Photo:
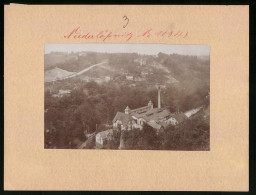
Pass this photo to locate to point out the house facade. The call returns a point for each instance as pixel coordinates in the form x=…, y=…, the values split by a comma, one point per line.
x=102, y=138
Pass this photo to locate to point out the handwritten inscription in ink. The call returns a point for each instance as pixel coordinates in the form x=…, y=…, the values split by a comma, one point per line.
x=127, y=20
x=108, y=35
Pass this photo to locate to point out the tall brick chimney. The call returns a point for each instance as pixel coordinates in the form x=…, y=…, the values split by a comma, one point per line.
x=159, y=97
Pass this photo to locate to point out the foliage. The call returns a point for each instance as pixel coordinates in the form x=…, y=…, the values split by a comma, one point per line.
x=69, y=118
x=115, y=141
x=145, y=139
x=193, y=134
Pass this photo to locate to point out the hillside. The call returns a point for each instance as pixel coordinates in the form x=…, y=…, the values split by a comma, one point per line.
x=56, y=58
x=56, y=74
x=99, y=85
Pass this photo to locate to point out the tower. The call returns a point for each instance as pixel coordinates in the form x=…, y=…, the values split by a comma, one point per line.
x=150, y=104
x=159, y=96
x=127, y=110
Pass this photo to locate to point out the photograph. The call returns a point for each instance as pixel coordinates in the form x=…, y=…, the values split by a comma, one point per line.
x=127, y=96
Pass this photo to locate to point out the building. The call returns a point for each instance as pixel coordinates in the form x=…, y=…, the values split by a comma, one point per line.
x=191, y=112
x=103, y=137
x=144, y=73
x=62, y=93
x=158, y=118
x=107, y=78
x=129, y=77
x=123, y=121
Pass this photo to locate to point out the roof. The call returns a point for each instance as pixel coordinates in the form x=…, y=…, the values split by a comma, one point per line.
x=154, y=117
x=191, y=112
x=141, y=109
x=154, y=125
x=153, y=114
x=125, y=118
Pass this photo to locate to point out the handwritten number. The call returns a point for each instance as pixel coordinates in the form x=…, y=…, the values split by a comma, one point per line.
x=125, y=18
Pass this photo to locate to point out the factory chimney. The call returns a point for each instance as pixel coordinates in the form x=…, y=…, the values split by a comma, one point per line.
x=159, y=97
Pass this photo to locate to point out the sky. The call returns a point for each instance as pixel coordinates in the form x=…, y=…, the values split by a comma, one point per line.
x=149, y=49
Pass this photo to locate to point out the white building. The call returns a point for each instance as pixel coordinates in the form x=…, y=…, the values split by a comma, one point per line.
x=103, y=137
x=62, y=93
x=129, y=77
x=192, y=111
x=107, y=78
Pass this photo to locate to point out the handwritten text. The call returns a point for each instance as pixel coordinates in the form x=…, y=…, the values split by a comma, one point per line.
x=106, y=35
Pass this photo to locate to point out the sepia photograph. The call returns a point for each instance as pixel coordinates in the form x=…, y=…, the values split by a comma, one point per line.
x=127, y=96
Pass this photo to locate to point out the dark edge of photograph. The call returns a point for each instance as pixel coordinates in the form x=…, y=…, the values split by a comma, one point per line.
x=252, y=181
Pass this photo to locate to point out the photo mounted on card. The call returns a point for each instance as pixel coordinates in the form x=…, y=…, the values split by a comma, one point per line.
x=123, y=97
x=127, y=96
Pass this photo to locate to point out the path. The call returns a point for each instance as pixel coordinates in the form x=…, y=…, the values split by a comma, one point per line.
x=84, y=70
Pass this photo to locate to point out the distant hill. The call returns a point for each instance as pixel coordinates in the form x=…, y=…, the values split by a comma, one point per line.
x=189, y=73
x=55, y=74
x=206, y=58
x=74, y=61
x=52, y=59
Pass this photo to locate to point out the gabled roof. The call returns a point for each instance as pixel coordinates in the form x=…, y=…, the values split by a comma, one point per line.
x=153, y=114
x=125, y=118
x=154, y=125
x=141, y=109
